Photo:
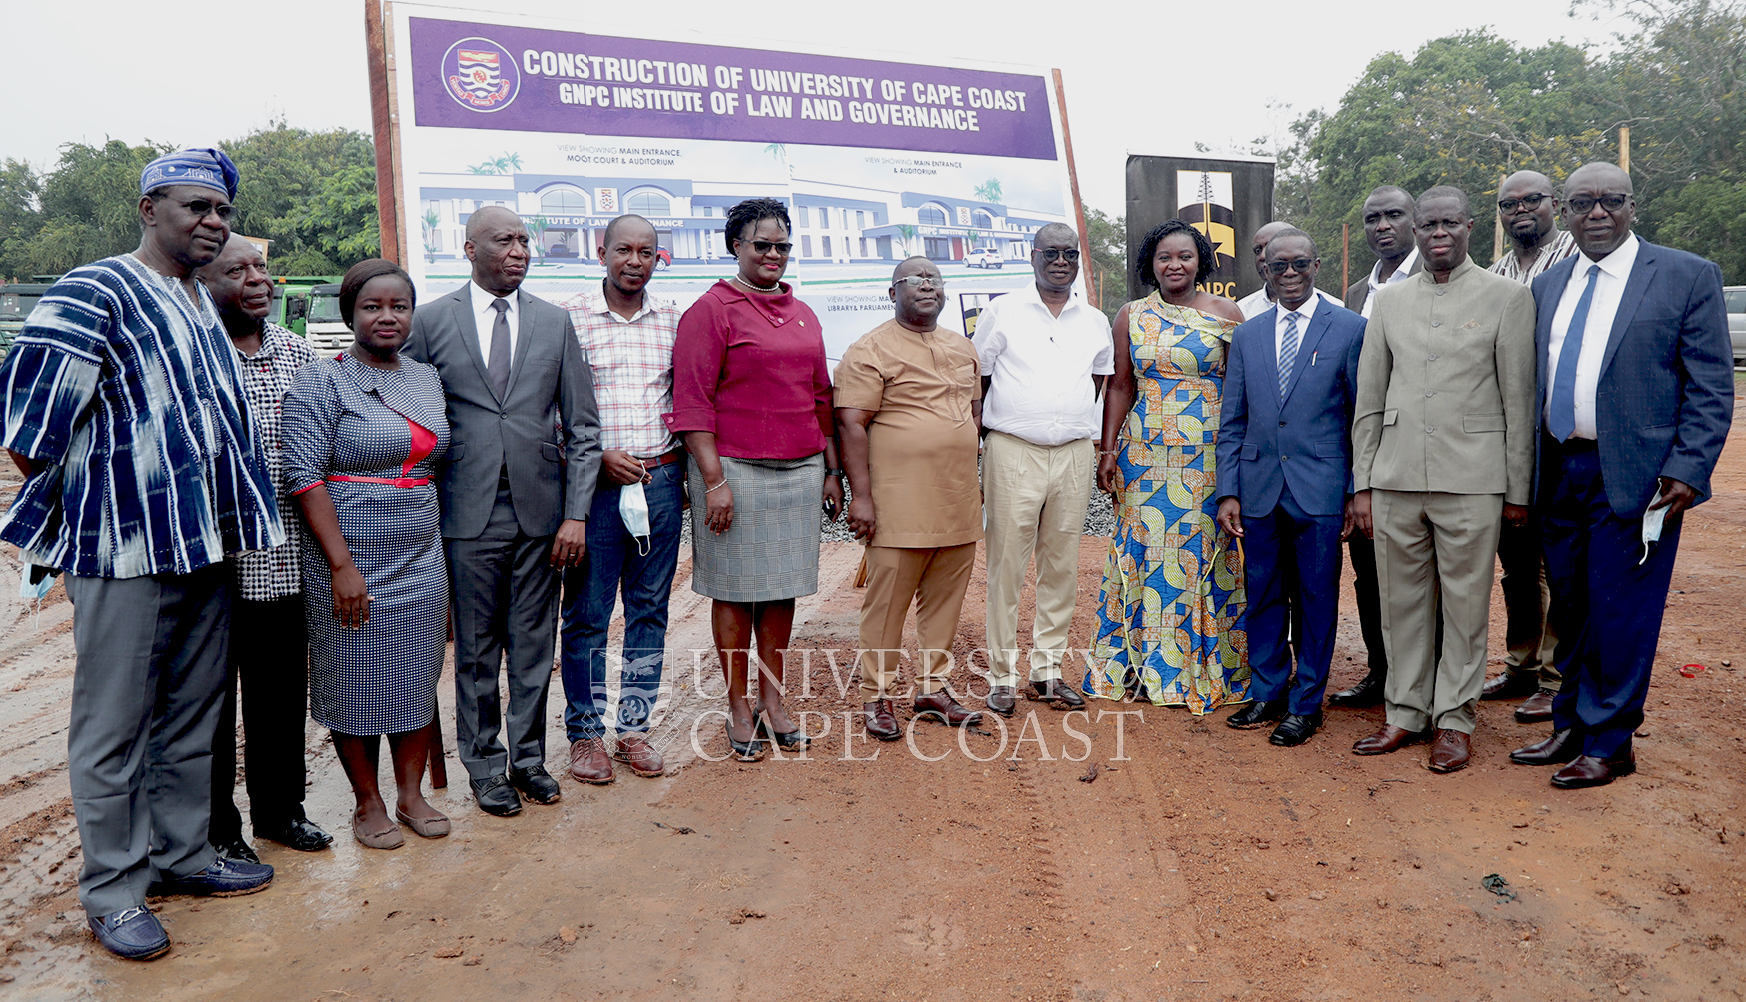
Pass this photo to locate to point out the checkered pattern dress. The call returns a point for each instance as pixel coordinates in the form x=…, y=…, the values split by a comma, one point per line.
x=344, y=418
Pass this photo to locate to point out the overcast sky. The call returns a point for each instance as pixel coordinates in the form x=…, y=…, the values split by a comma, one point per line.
x=1139, y=77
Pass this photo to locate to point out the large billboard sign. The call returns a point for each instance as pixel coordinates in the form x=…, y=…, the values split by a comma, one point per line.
x=1227, y=199
x=876, y=160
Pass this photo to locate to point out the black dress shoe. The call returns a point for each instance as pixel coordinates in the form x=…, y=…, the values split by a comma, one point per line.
x=301, y=834
x=1536, y=709
x=1257, y=713
x=1592, y=770
x=1367, y=692
x=536, y=784
x=1056, y=693
x=236, y=848
x=1295, y=729
x=496, y=796
x=1563, y=746
x=1510, y=685
x=788, y=741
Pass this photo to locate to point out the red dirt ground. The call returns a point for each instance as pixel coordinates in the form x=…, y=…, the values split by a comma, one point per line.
x=1201, y=863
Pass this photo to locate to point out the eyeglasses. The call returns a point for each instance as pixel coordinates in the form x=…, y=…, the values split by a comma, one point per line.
x=1297, y=264
x=920, y=281
x=1529, y=202
x=201, y=208
x=1582, y=205
x=766, y=246
x=1067, y=254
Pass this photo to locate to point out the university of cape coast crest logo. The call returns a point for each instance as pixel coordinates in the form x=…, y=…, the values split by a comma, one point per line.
x=480, y=74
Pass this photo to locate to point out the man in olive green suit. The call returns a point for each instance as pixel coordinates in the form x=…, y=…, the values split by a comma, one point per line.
x=1442, y=445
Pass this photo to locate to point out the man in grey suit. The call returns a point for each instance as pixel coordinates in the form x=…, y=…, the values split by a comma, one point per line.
x=1442, y=445
x=515, y=493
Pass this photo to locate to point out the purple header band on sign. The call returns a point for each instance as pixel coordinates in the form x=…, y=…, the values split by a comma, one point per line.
x=487, y=76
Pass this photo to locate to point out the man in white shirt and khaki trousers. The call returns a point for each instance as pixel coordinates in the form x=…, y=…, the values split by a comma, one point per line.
x=1044, y=354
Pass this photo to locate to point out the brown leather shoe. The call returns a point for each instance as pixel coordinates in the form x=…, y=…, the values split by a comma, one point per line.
x=589, y=762
x=942, y=707
x=635, y=751
x=1536, y=709
x=1510, y=685
x=880, y=722
x=1056, y=693
x=1561, y=747
x=1592, y=770
x=1390, y=738
x=1001, y=699
x=1450, y=752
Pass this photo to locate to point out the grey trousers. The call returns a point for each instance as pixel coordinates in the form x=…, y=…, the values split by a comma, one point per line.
x=147, y=688
x=1434, y=554
x=505, y=595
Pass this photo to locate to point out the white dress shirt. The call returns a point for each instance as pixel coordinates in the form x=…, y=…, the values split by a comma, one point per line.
x=1304, y=312
x=1609, y=288
x=1401, y=274
x=1259, y=302
x=485, y=317
x=1040, y=367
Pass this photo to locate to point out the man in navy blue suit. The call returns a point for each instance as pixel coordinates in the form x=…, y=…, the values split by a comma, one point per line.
x=1284, y=469
x=1636, y=395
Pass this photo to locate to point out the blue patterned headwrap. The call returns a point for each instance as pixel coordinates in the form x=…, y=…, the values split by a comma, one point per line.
x=208, y=168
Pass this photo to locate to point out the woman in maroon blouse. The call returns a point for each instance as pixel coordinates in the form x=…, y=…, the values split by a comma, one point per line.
x=752, y=396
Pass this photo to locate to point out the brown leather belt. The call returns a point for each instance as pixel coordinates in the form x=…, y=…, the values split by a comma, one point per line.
x=672, y=455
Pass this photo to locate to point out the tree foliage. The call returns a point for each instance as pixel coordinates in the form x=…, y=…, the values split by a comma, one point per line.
x=1472, y=108
x=312, y=193
x=1108, y=237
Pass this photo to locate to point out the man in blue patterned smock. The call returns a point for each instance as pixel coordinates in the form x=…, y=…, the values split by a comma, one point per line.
x=122, y=407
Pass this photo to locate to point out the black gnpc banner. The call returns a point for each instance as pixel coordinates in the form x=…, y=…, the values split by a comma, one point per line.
x=1226, y=199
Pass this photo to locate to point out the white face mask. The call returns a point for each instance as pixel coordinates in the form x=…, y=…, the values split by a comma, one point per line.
x=633, y=511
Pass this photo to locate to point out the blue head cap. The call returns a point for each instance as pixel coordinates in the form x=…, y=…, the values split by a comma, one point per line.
x=207, y=168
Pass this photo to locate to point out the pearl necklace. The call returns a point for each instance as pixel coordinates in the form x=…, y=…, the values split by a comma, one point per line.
x=758, y=288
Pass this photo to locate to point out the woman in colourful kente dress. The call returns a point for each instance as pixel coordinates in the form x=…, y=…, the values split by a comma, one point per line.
x=1170, y=613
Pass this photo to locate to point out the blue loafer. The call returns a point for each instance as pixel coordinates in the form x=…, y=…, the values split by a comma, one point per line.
x=222, y=878
x=131, y=933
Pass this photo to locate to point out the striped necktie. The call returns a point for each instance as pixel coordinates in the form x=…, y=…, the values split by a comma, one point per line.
x=1287, y=353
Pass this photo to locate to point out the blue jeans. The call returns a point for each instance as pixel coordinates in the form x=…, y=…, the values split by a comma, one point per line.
x=615, y=564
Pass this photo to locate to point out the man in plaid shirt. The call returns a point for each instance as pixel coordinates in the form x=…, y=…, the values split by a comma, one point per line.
x=627, y=334
x=269, y=645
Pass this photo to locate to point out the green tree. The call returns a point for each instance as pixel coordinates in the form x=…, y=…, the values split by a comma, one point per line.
x=1679, y=81
x=19, y=219
x=1464, y=110
x=1108, y=237
x=88, y=206
x=990, y=191
x=312, y=193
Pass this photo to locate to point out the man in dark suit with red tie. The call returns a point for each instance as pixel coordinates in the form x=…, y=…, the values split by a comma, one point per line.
x=1636, y=396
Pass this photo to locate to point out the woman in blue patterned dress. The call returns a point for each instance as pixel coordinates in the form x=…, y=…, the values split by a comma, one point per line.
x=1170, y=614
x=362, y=431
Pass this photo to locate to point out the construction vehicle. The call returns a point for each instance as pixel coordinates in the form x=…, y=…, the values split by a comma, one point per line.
x=17, y=299
x=325, y=331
